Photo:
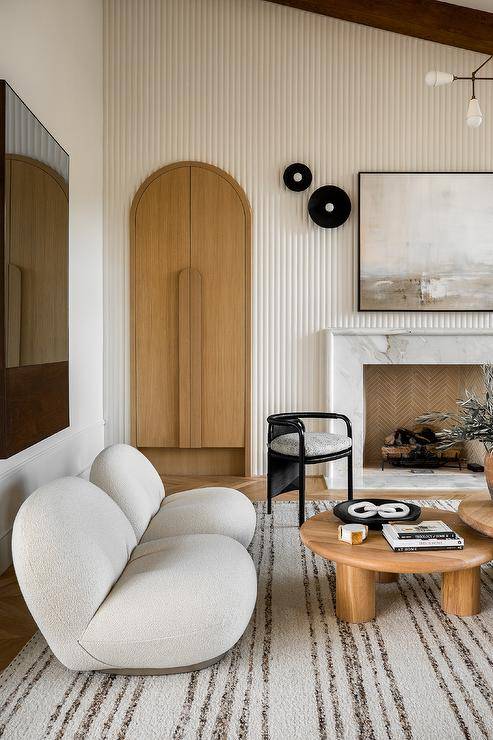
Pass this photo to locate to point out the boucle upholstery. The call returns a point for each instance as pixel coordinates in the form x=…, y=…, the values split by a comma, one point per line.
x=317, y=444
x=70, y=544
x=131, y=480
x=103, y=602
x=180, y=601
x=126, y=475
x=204, y=510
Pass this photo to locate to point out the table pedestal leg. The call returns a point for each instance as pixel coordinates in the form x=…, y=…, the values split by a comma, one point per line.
x=460, y=592
x=355, y=594
x=381, y=577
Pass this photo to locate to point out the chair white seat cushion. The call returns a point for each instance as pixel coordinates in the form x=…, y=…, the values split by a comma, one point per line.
x=179, y=602
x=317, y=444
x=223, y=511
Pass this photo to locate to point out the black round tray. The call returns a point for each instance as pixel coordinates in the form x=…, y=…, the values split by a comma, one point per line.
x=375, y=522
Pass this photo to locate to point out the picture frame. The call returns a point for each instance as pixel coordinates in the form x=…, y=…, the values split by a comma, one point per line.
x=437, y=215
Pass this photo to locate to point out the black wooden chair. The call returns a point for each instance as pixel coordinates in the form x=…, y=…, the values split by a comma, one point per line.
x=291, y=447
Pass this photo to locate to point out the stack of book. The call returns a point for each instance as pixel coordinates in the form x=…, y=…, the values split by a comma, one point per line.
x=433, y=535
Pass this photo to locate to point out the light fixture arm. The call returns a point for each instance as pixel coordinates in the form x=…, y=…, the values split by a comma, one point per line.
x=435, y=78
x=474, y=76
x=482, y=65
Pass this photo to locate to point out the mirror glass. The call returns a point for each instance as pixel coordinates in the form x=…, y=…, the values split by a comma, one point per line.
x=36, y=240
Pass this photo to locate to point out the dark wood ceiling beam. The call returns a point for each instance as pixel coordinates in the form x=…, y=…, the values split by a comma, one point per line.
x=443, y=23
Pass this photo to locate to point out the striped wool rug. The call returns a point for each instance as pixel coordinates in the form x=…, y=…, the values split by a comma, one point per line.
x=297, y=673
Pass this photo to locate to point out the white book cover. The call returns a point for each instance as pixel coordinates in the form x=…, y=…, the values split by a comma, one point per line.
x=428, y=528
x=438, y=543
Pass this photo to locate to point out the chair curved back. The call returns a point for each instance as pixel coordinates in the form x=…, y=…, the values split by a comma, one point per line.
x=283, y=423
x=70, y=544
x=131, y=480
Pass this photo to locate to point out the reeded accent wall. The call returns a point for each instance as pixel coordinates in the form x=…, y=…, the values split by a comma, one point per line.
x=28, y=136
x=251, y=86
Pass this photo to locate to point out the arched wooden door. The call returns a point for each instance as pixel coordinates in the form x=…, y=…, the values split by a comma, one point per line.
x=190, y=281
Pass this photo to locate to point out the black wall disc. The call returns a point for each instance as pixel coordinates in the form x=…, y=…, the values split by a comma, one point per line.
x=297, y=177
x=329, y=206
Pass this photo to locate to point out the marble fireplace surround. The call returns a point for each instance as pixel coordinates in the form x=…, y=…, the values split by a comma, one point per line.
x=348, y=350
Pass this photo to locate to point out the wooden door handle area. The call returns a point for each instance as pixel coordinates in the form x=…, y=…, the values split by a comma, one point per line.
x=190, y=357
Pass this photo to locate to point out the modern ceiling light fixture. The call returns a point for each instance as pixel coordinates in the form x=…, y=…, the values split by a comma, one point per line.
x=474, y=115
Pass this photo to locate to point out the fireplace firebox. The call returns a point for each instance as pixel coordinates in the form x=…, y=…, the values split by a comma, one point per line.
x=418, y=448
x=396, y=396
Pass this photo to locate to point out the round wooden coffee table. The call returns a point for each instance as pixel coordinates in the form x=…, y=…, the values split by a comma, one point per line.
x=477, y=512
x=360, y=567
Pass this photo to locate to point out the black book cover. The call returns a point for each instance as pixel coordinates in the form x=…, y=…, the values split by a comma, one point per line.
x=426, y=549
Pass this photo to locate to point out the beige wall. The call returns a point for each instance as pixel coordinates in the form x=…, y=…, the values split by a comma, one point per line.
x=51, y=54
x=251, y=86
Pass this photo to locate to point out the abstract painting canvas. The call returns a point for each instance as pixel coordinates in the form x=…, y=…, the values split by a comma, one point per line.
x=425, y=241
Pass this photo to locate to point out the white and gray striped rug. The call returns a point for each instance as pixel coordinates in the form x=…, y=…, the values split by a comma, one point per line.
x=297, y=673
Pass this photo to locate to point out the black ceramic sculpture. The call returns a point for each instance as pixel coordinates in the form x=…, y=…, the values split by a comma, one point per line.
x=376, y=521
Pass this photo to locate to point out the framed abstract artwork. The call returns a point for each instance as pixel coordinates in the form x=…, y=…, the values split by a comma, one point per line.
x=425, y=241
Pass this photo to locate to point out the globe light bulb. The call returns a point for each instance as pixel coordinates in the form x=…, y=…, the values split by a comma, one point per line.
x=474, y=116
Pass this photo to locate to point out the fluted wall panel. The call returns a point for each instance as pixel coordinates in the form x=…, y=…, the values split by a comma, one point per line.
x=25, y=135
x=251, y=86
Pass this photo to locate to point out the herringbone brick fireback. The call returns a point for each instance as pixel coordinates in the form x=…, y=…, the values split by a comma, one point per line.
x=395, y=395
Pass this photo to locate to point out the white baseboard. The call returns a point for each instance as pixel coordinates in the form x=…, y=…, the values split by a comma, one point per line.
x=69, y=452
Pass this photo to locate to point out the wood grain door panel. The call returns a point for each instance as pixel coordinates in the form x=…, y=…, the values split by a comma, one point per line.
x=161, y=252
x=190, y=284
x=218, y=253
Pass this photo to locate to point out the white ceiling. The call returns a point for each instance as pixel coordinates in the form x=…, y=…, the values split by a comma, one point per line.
x=478, y=4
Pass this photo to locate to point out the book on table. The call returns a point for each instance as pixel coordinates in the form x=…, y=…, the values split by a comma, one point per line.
x=435, y=530
x=416, y=544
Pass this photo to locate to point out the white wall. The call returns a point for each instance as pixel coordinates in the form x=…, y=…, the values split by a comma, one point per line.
x=251, y=86
x=51, y=54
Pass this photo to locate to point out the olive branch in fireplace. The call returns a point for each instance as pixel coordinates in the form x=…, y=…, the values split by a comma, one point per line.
x=473, y=419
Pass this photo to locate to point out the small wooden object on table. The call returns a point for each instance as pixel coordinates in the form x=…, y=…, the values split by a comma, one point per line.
x=477, y=512
x=360, y=567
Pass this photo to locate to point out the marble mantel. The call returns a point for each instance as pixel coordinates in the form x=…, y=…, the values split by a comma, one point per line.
x=347, y=351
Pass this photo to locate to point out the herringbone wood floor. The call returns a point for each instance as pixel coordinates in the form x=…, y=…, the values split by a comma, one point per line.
x=17, y=625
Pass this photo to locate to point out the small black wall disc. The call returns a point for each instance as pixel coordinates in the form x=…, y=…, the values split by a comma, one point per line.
x=329, y=206
x=297, y=177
